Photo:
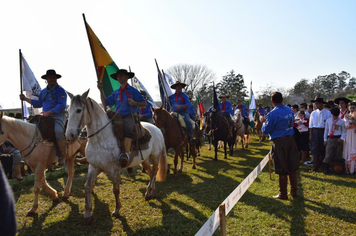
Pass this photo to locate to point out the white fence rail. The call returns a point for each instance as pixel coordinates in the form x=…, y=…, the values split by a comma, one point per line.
x=214, y=221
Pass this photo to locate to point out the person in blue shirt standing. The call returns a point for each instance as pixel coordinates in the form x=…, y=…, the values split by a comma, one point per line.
x=279, y=126
x=244, y=113
x=127, y=100
x=53, y=100
x=180, y=103
x=145, y=113
x=225, y=109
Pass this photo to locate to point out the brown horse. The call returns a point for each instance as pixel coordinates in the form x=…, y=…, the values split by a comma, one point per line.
x=173, y=136
x=258, y=119
x=38, y=154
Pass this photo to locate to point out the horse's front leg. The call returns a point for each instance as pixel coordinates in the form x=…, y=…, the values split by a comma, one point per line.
x=181, y=159
x=116, y=190
x=40, y=180
x=71, y=171
x=215, y=144
x=194, y=154
x=92, y=174
x=209, y=141
x=225, y=149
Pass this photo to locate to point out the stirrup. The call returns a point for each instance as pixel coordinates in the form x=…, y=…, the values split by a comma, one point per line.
x=124, y=159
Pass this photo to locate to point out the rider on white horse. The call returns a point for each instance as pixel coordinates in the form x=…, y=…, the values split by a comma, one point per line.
x=127, y=99
x=53, y=100
x=180, y=104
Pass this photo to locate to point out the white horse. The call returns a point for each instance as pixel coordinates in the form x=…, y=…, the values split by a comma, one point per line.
x=102, y=151
x=38, y=154
x=240, y=130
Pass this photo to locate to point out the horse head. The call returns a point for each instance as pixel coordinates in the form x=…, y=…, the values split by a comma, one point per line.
x=161, y=118
x=237, y=116
x=213, y=119
x=256, y=117
x=2, y=133
x=77, y=115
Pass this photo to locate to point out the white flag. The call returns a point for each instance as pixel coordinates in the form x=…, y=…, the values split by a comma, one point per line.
x=25, y=113
x=29, y=82
x=139, y=86
x=252, y=107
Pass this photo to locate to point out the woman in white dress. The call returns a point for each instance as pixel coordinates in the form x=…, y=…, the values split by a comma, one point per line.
x=350, y=140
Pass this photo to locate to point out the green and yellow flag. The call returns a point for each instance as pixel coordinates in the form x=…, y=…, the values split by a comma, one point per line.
x=104, y=64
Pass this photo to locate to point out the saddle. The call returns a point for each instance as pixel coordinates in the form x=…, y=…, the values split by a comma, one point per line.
x=45, y=124
x=143, y=134
x=181, y=121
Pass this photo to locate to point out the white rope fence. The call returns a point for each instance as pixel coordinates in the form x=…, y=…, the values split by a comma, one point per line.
x=214, y=221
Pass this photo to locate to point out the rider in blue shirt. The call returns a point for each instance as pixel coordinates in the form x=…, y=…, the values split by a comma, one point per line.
x=261, y=110
x=145, y=113
x=225, y=109
x=191, y=111
x=180, y=104
x=127, y=99
x=244, y=113
x=53, y=100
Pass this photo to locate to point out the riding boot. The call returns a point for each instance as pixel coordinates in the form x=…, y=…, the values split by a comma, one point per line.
x=282, y=188
x=125, y=157
x=63, y=151
x=293, y=184
x=17, y=172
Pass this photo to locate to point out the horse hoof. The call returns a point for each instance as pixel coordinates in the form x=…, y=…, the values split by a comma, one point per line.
x=198, y=154
x=215, y=159
x=65, y=198
x=31, y=214
x=209, y=148
x=194, y=167
x=115, y=214
x=56, y=200
x=147, y=197
x=88, y=220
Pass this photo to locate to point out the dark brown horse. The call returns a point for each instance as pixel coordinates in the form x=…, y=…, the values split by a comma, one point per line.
x=207, y=128
x=220, y=131
x=173, y=136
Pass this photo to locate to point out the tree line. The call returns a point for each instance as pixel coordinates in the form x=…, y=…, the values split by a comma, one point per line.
x=200, y=80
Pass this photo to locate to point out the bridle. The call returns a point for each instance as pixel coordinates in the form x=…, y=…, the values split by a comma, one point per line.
x=81, y=121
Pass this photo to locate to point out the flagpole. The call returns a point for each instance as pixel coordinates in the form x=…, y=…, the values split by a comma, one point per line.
x=169, y=103
x=20, y=56
x=91, y=48
x=164, y=88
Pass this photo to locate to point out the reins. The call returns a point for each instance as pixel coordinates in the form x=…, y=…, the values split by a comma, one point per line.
x=110, y=120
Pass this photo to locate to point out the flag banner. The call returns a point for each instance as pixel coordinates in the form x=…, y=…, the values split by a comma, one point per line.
x=215, y=97
x=165, y=87
x=29, y=82
x=200, y=111
x=139, y=86
x=104, y=64
x=252, y=107
x=25, y=113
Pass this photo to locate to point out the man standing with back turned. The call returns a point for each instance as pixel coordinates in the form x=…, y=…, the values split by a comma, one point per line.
x=279, y=126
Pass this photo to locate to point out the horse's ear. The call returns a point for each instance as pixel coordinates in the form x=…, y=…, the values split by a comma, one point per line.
x=152, y=109
x=70, y=95
x=161, y=107
x=85, y=95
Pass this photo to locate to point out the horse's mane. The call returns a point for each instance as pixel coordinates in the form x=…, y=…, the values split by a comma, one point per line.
x=77, y=100
x=20, y=125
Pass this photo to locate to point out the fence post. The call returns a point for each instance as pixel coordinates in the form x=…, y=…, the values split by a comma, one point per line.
x=222, y=219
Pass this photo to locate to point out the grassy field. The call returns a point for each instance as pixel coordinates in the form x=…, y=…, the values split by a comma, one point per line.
x=326, y=204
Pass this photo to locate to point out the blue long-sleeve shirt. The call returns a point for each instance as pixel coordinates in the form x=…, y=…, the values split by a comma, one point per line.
x=191, y=110
x=262, y=111
x=55, y=100
x=179, y=99
x=244, y=112
x=228, y=108
x=279, y=122
x=114, y=99
x=146, y=112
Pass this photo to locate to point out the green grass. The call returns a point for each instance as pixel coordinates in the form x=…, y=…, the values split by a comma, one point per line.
x=326, y=205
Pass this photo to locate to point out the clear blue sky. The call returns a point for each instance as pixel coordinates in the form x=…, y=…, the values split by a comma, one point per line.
x=269, y=42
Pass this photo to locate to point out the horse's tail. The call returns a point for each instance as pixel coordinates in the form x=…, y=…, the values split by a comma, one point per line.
x=162, y=167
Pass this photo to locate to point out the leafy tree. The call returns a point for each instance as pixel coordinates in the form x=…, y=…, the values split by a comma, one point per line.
x=233, y=85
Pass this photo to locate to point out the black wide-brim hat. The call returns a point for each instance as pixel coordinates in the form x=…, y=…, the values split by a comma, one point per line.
x=173, y=86
x=321, y=100
x=51, y=72
x=337, y=100
x=122, y=71
x=224, y=95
